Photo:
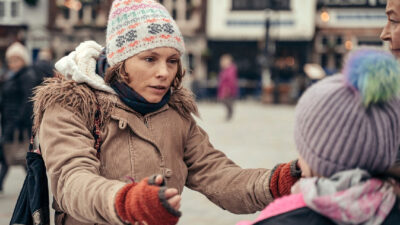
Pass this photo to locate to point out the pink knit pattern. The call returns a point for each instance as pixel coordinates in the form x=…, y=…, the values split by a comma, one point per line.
x=279, y=206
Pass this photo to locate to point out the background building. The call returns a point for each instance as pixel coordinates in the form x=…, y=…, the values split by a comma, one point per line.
x=74, y=21
x=243, y=27
x=344, y=25
x=24, y=21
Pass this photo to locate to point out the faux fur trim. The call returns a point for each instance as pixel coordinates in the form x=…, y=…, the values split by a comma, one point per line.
x=82, y=100
x=182, y=100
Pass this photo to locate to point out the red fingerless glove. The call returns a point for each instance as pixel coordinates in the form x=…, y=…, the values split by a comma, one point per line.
x=145, y=202
x=283, y=176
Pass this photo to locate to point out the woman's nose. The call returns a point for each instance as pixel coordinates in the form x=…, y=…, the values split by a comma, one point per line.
x=162, y=70
x=385, y=35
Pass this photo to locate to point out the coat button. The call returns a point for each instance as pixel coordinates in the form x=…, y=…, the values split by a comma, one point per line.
x=168, y=173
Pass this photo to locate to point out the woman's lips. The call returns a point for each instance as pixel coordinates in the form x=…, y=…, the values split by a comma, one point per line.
x=158, y=89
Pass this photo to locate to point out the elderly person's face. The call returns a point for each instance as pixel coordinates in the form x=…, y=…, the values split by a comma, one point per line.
x=15, y=63
x=391, y=32
x=150, y=73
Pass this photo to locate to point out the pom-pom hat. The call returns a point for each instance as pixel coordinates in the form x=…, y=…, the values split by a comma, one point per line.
x=352, y=120
x=139, y=25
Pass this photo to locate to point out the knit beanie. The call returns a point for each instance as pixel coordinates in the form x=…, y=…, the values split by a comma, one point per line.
x=17, y=49
x=352, y=120
x=139, y=25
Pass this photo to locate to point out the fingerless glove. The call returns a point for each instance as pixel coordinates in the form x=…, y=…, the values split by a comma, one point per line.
x=145, y=203
x=283, y=176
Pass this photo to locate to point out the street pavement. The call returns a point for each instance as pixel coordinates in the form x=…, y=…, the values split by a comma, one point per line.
x=258, y=136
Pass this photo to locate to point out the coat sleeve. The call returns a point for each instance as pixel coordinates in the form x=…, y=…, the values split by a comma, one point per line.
x=221, y=180
x=73, y=169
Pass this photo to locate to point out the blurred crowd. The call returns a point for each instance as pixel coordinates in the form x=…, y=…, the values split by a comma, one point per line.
x=18, y=78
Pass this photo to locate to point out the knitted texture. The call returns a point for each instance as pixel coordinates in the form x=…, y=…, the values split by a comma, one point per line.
x=282, y=179
x=351, y=120
x=139, y=25
x=144, y=203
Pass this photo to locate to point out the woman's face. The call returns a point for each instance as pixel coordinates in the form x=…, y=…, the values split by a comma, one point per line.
x=391, y=32
x=150, y=73
x=15, y=63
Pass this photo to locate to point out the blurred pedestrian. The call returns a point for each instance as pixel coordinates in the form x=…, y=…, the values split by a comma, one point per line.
x=347, y=130
x=15, y=108
x=44, y=65
x=136, y=120
x=227, y=84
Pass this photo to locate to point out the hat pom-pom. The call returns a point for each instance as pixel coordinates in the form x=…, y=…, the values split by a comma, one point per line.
x=374, y=73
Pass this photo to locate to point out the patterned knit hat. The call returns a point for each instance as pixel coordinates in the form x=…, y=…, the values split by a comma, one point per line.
x=139, y=25
x=352, y=120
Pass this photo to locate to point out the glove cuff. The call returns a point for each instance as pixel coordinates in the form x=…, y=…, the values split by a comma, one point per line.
x=283, y=176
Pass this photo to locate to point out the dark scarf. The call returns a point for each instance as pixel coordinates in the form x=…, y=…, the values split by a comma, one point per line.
x=127, y=95
x=135, y=101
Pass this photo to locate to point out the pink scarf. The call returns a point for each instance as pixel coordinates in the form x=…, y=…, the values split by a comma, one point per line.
x=349, y=197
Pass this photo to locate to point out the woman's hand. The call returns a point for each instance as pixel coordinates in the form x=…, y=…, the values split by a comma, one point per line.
x=171, y=194
x=148, y=202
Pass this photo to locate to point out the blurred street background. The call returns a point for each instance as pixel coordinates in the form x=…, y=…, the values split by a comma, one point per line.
x=250, y=139
x=280, y=47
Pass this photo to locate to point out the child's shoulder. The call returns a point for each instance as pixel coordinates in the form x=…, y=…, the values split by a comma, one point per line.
x=289, y=210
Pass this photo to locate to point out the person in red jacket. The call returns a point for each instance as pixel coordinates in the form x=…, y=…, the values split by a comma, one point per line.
x=227, y=84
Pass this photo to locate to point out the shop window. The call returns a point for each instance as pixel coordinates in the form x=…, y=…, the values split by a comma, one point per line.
x=174, y=12
x=324, y=40
x=188, y=9
x=80, y=13
x=339, y=40
x=191, y=61
x=94, y=13
x=260, y=5
x=66, y=13
x=2, y=10
x=339, y=60
x=324, y=60
x=15, y=9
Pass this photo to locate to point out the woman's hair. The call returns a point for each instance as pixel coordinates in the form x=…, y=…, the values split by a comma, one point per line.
x=117, y=72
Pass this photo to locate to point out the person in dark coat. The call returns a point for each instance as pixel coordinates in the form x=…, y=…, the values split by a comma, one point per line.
x=44, y=66
x=347, y=130
x=15, y=108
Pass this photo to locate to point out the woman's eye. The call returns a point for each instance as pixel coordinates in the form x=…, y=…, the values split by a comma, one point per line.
x=173, y=61
x=149, y=59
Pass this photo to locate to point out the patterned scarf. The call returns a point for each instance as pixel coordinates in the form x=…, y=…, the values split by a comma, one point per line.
x=349, y=197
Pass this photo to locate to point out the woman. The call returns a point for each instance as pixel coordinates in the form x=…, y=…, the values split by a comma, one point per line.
x=146, y=127
x=15, y=108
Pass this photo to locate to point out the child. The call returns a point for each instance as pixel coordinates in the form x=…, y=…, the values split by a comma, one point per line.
x=347, y=131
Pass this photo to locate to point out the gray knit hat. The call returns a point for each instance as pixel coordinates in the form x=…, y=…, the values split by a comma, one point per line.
x=352, y=120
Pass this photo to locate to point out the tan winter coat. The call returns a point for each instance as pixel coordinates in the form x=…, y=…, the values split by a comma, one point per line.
x=167, y=142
